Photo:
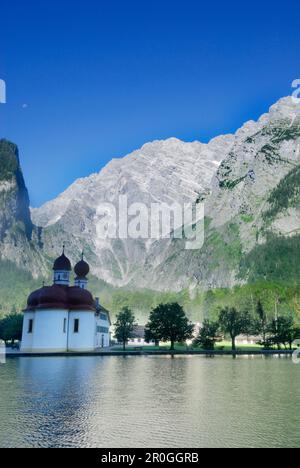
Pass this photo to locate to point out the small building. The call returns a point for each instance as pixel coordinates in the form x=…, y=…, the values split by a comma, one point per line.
x=138, y=338
x=63, y=318
x=247, y=340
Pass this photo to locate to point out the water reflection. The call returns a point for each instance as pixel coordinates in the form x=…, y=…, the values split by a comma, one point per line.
x=149, y=401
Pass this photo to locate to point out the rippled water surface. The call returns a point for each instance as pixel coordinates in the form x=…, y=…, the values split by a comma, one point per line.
x=152, y=401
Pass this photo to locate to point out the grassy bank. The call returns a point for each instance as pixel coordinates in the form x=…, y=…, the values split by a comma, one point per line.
x=223, y=346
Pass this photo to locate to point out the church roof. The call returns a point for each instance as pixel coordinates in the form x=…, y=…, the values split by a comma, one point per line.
x=61, y=297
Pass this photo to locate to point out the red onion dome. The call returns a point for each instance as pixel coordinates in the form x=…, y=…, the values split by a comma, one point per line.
x=82, y=269
x=53, y=296
x=61, y=297
x=80, y=299
x=33, y=299
x=62, y=263
x=49, y=297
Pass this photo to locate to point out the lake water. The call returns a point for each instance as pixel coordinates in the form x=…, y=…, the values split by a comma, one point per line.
x=154, y=401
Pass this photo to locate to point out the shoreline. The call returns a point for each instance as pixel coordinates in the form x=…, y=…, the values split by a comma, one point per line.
x=155, y=353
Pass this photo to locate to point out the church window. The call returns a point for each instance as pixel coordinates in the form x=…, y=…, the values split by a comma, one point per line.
x=30, y=326
x=102, y=329
x=76, y=326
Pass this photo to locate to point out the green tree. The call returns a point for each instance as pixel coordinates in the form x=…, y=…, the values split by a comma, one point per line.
x=11, y=328
x=262, y=321
x=209, y=335
x=284, y=332
x=2, y=329
x=292, y=335
x=149, y=336
x=168, y=322
x=260, y=325
x=124, y=326
x=234, y=323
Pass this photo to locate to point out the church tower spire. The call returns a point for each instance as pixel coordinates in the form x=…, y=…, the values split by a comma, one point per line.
x=61, y=270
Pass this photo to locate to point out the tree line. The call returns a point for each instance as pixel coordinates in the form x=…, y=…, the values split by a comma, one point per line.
x=11, y=328
x=169, y=323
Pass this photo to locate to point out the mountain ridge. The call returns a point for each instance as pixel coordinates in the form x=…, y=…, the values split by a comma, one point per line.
x=177, y=172
x=248, y=181
x=233, y=174
x=252, y=224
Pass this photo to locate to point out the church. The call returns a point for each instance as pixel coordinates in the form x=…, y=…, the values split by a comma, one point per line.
x=65, y=318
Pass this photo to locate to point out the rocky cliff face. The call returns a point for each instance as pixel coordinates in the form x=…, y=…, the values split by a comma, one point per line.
x=236, y=175
x=13, y=192
x=254, y=199
x=263, y=153
x=19, y=239
x=249, y=182
x=163, y=171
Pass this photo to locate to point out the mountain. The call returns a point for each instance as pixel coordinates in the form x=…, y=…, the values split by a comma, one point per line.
x=22, y=260
x=240, y=179
x=249, y=183
x=19, y=239
x=252, y=213
x=13, y=192
x=163, y=171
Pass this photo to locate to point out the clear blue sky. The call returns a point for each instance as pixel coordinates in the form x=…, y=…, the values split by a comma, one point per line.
x=91, y=80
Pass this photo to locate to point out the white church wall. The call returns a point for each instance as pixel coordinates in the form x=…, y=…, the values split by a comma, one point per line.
x=27, y=337
x=49, y=332
x=102, y=338
x=84, y=338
